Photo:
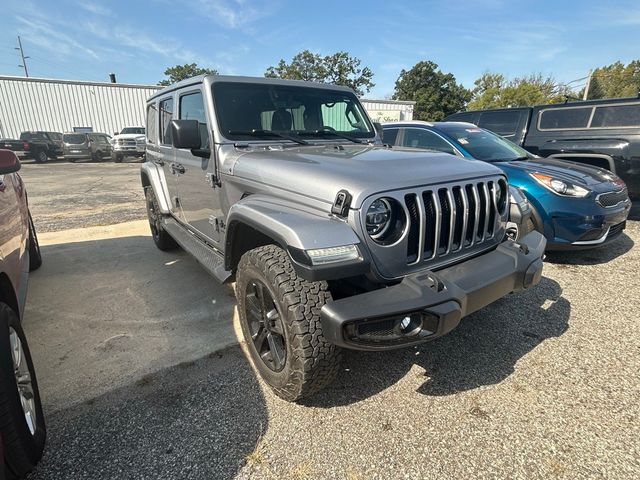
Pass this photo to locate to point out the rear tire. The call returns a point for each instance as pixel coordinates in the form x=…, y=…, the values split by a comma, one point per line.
x=161, y=238
x=22, y=424
x=41, y=156
x=284, y=337
x=35, y=256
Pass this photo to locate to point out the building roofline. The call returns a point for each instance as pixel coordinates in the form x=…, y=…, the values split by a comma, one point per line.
x=78, y=82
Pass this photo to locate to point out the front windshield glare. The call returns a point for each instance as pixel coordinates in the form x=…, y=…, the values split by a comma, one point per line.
x=250, y=111
x=132, y=130
x=485, y=145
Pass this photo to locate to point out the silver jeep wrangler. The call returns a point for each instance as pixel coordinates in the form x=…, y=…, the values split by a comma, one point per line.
x=334, y=240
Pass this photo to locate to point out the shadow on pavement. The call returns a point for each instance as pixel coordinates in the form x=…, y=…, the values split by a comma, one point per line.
x=595, y=256
x=195, y=420
x=483, y=350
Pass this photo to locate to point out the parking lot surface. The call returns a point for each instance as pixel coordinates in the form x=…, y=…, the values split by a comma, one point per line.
x=128, y=345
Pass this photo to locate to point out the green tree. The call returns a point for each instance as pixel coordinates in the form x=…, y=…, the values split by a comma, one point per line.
x=436, y=94
x=188, y=70
x=339, y=69
x=616, y=80
x=493, y=90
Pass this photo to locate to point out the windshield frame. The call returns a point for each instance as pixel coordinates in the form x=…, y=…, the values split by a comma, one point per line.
x=449, y=130
x=225, y=137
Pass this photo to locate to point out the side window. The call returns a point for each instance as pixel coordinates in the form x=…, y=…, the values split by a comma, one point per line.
x=192, y=108
x=565, y=118
x=390, y=136
x=502, y=123
x=166, y=113
x=616, y=116
x=418, y=138
x=152, y=123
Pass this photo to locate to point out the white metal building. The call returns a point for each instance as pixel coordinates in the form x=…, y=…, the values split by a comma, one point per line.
x=72, y=105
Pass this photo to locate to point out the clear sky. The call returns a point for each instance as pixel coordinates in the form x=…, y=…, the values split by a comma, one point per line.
x=137, y=40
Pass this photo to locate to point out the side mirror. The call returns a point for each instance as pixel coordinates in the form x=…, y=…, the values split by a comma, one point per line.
x=185, y=134
x=9, y=162
x=379, y=130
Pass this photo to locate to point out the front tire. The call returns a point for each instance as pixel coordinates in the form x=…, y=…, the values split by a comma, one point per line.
x=22, y=424
x=35, y=256
x=280, y=319
x=161, y=238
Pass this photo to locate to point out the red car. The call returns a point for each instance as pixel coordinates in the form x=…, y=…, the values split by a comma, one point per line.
x=22, y=428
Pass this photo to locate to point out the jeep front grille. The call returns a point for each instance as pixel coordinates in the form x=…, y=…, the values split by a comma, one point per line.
x=448, y=220
x=445, y=223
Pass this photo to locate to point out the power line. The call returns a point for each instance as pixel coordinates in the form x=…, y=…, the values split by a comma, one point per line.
x=24, y=59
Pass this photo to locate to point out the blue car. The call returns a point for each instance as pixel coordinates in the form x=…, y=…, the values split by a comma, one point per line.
x=574, y=206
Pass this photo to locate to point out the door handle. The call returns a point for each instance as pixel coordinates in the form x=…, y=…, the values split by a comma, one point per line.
x=177, y=168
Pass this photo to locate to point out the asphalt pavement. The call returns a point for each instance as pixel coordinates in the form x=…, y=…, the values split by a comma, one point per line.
x=540, y=384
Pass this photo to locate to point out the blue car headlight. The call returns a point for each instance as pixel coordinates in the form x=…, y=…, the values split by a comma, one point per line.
x=558, y=186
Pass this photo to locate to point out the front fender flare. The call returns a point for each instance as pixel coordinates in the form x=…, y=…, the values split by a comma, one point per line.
x=295, y=229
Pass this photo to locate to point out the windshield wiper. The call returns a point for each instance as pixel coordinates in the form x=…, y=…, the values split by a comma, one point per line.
x=267, y=133
x=326, y=131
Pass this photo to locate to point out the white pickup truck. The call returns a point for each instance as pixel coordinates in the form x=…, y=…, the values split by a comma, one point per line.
x=130, y=142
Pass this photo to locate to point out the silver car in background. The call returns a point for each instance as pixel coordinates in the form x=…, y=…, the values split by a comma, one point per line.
x=79, y=146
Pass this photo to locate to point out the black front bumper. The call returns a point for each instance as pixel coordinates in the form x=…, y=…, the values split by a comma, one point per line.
x=427, y=305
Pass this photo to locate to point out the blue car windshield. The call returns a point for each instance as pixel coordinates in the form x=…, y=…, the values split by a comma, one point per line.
x=484, y=145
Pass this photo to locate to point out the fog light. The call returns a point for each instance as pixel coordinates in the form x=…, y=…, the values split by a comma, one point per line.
x=322, y=256
x=410, y=325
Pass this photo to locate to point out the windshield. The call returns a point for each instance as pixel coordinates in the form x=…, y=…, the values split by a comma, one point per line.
x=134, y=130
x=74, y=138
x=484, y=145
x=250, y=111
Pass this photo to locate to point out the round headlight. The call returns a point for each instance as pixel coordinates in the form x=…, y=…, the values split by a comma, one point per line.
x=378, y=218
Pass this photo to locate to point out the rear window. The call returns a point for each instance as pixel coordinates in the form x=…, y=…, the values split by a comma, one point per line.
x=34, y=136
x=616, y=116
x=564, y=118
x=461, y=117
x=74, y=138
x=502, y=123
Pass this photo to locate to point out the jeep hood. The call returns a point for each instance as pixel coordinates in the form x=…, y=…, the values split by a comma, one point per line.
x=321, y=171
x=573, y=172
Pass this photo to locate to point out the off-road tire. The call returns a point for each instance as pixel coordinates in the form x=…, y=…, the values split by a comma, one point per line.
x=22, y=449
x=40, y=156
x=35, y=256
x=311, y=362
x=161, y=238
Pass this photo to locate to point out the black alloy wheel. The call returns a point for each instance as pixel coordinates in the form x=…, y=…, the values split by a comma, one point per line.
x=265, y=325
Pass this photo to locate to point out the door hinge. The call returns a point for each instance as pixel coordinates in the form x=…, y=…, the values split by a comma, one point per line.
x=213, y=180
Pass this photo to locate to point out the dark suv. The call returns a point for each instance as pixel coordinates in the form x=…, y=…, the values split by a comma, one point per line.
x=41, y=145
x=604, y=133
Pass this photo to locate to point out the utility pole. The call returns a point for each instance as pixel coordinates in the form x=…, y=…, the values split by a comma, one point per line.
x=24, y=59
x=586, y=88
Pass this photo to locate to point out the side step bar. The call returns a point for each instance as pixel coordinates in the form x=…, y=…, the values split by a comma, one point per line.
x=210, y=259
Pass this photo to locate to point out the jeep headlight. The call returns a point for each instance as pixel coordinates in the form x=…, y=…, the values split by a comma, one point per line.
x=560, y=187
x=385, y=221
x=378, y=217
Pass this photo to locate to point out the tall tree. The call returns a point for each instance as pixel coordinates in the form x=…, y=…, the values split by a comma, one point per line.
x=493, y=90
x=436, y=94
x=339, y=69
x=188, y=70
x=616, y=80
